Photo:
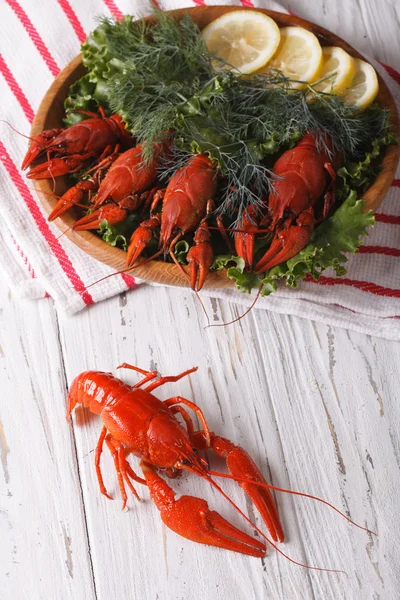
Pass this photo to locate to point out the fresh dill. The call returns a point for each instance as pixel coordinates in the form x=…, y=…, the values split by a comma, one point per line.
x=147, y=68
x=159, y=76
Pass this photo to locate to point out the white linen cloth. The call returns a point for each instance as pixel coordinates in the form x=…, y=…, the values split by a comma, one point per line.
x=37, y=39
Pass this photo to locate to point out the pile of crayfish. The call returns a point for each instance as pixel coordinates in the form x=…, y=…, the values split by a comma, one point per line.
x=136, y=421
x=117, y=182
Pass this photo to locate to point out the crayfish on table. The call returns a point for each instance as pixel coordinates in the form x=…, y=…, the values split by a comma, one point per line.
x=136, y=421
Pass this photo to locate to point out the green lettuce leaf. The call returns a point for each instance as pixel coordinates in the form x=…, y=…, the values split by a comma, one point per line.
x=245, y=281
x=119, y=235
x=235, y=265
x=222, y=261
x=180, y=251
x=340, y=233
x=81, y=97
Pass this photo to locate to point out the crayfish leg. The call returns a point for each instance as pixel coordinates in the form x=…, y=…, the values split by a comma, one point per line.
x=180, y=400
x=170, y=379
x=99, y=450
x=191, y=518
x=330, y=194
x=148, y=375
x=224, y=234
x=123, y=468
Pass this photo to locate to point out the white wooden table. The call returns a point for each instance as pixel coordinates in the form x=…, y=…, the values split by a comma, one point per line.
x=317, y=407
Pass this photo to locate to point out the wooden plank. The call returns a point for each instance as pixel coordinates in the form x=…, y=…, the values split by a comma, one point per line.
x=43, y=551
x=281, y=387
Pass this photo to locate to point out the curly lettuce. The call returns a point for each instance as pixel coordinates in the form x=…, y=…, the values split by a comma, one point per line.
x=119, y=235
x=331, y=240
x=180, y=251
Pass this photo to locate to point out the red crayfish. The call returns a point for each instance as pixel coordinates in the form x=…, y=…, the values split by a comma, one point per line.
x=302, y=177
x=130, y=184
x=135, y=421
x=69, y=149
x=125, y=188
x=187, y=201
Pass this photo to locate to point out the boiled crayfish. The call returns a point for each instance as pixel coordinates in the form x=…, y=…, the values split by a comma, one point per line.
x=135, y=421
x=68, y=150
x=130, y=184
x=302, y=177
x=126, y=187
x=187, y=200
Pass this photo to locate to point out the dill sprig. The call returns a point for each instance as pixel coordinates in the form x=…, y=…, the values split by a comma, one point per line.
x=162, y=63
x=159, y=76
x=246, y=123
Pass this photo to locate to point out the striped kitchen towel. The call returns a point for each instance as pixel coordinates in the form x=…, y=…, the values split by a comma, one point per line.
x=37, y=40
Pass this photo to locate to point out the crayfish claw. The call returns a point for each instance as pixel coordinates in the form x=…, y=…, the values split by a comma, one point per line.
x=71, y=197
x=244, y=240
x=191, y=518
x=112, y=213
x=140, y=238
x=39, y=145
x=55, y=167
x=288, y=242
x=200, y=257
x=243, y=468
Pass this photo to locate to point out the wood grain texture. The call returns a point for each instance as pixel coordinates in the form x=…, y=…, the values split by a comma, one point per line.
x=317, y=407
x=51, y=112
x=44, y=549
x=281, y=387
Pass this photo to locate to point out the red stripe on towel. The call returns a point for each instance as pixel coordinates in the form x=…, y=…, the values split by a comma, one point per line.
x=391, y=219
x=35, y=37
x=113, y=8
x=43, y=226
x=365, y=286
x=395, y=75
x=16, y=90
x=379, y=250
x=73, y=19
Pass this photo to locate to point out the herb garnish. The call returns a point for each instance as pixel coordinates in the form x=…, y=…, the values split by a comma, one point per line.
x=159, y=77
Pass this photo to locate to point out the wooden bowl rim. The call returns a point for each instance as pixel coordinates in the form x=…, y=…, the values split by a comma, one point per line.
x=166, y=273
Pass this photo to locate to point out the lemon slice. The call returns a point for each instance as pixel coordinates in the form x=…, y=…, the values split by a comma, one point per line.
x=338, y=70
x=299, y=56
x=364, y=86
x=245, y=39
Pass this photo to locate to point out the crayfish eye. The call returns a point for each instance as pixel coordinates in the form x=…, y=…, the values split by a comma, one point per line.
x=185, y=461
x=195, y=450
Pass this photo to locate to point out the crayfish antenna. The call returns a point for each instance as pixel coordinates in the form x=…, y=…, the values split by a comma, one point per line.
x=122, y=271
x=278, y=489
x=65, y=231
x=252, y=305
x=186, y=276
x=295, y=562
x=28, y=137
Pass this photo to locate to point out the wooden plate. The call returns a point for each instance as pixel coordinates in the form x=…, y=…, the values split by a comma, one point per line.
x=51, y=112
